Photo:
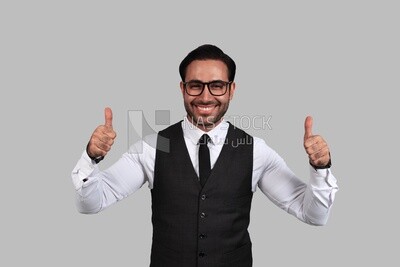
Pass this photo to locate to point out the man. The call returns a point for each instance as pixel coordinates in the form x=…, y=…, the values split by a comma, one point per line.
x=202, y=185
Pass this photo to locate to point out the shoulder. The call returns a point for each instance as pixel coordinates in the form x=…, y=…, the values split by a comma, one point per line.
x=172, y=129
x=258, y=143
x=144, y=145
x=264, y=154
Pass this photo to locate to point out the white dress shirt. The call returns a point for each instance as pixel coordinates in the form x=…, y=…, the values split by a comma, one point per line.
x=96, y=189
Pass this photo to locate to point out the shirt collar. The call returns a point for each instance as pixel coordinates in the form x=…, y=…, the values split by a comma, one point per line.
x=217, y=134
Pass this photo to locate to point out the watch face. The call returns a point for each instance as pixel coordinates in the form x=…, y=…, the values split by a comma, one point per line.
x=98, y=159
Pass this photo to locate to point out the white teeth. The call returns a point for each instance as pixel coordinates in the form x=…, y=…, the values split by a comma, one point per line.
x=205, y=108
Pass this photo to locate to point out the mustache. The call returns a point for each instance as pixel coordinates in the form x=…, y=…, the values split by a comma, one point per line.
x=205, y=103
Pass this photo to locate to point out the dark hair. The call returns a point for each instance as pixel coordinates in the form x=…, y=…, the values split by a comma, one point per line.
x=205, y=52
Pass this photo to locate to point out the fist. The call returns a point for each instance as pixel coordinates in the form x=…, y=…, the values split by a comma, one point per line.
x=315, y=146
x=102, y=138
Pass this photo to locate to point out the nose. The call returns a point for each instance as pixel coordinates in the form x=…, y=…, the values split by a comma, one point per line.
x=206, y=95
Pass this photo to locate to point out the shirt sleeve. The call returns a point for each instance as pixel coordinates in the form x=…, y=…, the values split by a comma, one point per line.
x=96, y=189
x=310, y=202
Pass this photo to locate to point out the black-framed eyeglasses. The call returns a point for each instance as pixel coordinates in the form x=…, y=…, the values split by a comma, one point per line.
x=216, y=88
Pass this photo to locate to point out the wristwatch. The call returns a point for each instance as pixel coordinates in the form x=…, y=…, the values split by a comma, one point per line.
x=322, y=167
x=95, y=159
x=98, y=159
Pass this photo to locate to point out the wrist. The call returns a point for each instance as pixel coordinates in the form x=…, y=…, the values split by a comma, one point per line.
x=93, y=158
x=326, y=166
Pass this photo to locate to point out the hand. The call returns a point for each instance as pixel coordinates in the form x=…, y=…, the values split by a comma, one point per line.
x=102, y=138
x=315, y=146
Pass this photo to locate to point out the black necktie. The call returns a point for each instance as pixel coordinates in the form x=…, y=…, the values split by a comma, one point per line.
x=204, y=159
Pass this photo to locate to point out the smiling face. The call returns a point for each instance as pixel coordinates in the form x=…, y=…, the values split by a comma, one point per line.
x=206, y=111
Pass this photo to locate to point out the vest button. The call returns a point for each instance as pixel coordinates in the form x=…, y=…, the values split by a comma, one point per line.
x=202, y=215
x=203, y=197
x=202, y=254
x=202, y=236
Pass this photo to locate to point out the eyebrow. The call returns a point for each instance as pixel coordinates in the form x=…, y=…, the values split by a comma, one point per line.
x=205, y=82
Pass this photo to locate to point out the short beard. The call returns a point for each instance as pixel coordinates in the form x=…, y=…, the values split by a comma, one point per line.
x=207, y=122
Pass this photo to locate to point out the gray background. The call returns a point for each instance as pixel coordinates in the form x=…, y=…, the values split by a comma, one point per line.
x=62, y=62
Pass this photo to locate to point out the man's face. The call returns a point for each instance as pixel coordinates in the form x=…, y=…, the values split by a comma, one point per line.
x=206, y=110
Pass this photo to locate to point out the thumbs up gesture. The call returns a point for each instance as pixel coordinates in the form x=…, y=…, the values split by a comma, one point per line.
x=102, y=138
x=315, y=146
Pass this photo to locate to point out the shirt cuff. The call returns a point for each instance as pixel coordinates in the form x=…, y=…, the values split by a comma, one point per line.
x=322, y=178
x=83, y=169
x=323, y=186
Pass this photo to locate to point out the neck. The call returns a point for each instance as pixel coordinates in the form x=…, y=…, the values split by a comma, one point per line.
x=204, y=127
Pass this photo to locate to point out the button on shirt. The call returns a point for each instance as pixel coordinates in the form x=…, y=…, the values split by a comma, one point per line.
x=96, y=189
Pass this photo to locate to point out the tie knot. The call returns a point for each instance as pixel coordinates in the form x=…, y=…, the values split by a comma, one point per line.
x=204, y=139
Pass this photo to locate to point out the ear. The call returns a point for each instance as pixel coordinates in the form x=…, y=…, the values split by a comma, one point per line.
x=232, y=90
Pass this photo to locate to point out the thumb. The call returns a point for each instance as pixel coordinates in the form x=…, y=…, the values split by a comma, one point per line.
x=308, y=127
x=108, y=117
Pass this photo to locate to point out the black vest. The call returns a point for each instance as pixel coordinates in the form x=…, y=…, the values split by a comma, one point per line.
x=195, y=226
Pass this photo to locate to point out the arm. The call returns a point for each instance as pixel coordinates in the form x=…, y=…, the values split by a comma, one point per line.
x=311, y=202
x=95, y=189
